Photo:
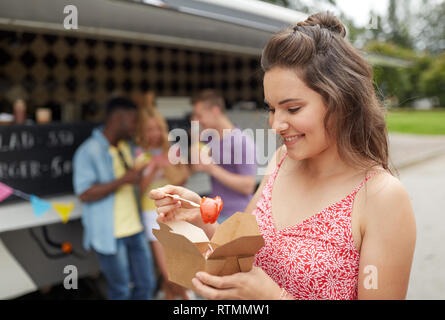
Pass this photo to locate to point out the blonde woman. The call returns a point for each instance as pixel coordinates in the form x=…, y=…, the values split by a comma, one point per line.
x=152, y=138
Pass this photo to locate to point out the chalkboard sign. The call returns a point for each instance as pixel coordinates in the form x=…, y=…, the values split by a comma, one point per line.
x=37, y=159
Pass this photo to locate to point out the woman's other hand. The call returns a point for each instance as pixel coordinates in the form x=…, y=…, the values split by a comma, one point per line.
x=169, y=209
x=252, y=285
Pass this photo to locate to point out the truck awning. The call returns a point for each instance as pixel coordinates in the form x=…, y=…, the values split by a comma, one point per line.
x=235, y=26
x=205, y=24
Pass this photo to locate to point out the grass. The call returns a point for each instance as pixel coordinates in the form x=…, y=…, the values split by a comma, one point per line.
x=428, y=122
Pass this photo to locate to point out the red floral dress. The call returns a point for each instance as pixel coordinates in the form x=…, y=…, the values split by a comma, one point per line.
x=315, y=259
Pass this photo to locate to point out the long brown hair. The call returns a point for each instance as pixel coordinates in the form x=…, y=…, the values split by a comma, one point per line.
x=331, y=66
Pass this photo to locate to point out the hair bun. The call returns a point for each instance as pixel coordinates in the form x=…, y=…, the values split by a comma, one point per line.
x=325, y=20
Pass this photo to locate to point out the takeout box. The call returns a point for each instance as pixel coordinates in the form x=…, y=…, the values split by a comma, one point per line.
x=233, y=248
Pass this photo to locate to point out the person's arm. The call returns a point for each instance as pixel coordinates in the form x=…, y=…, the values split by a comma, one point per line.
x=388, y=239
x=243, y=180
x=244, y=184
x=99, y=191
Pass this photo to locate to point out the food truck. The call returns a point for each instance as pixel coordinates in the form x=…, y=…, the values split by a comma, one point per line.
x=65, y=59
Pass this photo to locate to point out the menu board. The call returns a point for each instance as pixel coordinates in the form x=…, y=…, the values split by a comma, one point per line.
x=37, y=159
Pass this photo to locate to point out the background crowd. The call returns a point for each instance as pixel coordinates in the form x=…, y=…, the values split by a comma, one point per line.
x=116, y=168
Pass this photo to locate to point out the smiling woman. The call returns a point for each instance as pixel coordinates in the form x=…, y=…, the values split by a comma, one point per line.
x=323, y=230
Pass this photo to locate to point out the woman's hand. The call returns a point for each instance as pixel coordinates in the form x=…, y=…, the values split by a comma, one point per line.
x=171, y=209
x=252, y=285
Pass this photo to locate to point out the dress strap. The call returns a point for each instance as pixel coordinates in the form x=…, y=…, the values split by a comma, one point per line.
x=369, y=176
x=274, y=173
x=282, y=159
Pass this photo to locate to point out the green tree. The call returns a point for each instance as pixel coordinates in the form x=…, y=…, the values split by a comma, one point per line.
x=420, y=30
x=429, y=27
x=432, y=81
x=398, y=32
x=400, y=82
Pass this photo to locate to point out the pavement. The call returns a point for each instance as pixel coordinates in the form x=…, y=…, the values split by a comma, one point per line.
x=408, y=149
x=421, y=164
x=425, y=183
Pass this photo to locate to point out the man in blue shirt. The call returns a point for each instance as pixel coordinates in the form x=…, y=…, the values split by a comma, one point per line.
x=104, y=180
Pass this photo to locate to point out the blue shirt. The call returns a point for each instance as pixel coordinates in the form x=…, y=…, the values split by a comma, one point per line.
x=93, y=164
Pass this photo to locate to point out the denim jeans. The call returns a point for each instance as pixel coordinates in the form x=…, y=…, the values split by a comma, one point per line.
x=133, y=263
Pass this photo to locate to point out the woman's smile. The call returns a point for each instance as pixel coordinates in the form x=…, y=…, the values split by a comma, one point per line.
x=292, y=139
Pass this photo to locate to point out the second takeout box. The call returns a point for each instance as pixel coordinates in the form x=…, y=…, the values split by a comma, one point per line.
x=234, y=246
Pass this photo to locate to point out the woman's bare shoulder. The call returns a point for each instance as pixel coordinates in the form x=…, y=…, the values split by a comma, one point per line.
x=384, y=198
x=384, y=186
